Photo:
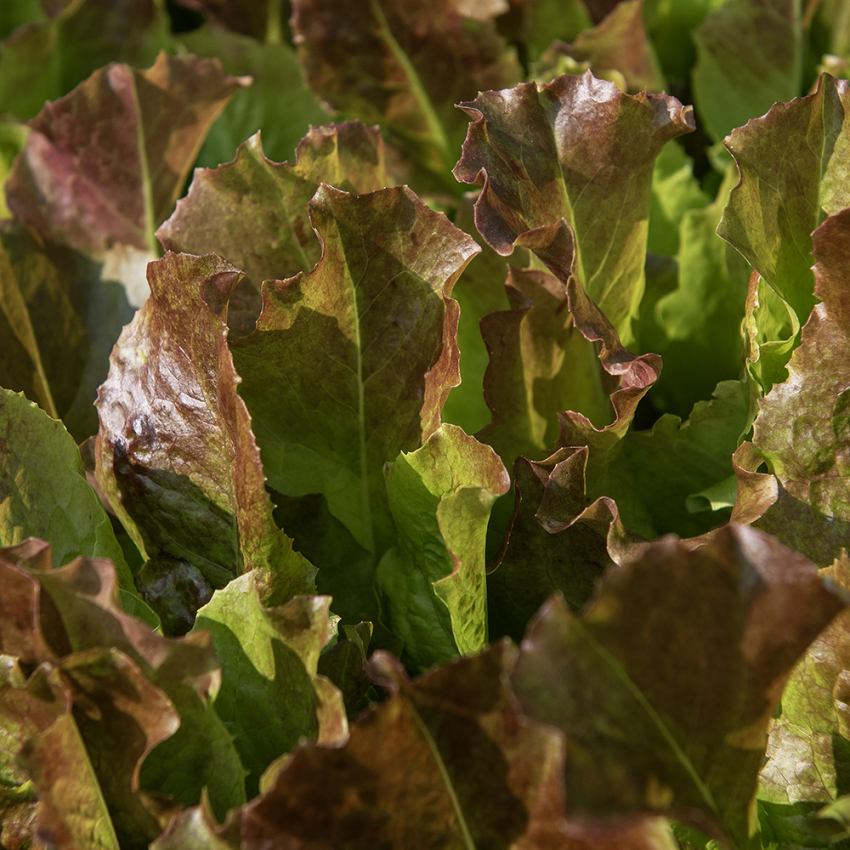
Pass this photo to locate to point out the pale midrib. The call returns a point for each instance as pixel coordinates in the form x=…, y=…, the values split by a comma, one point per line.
x=444, y=773
x=435, y=127
x=147, y=189
x=365, y=503
x=630, y=686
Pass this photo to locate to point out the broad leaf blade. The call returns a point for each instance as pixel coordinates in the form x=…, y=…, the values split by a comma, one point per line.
x=62, y=314
x=271, y=695
x=375, y=320
x=44, y=492
x=176, y=456
x=750, y=56
x=254, y=211
x=792, y=167
x=410, y=775
x=688, y=649
x=575, y=153
x=91, y=190
x=801, y=428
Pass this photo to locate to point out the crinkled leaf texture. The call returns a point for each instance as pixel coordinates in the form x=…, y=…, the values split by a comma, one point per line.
x=176, y=456
x=93, y=189
x=404, y=64
x=254, y=211
x=271, y=695
x=44, y=492
x=688, y=648
x=810, y=740
x=576, y=154
x=351, y=363
x=129, y=689
x=802, y=427
x=432, y=583
x=792, y=164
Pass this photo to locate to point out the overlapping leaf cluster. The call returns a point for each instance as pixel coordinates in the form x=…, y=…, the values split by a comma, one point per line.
x=461, y=460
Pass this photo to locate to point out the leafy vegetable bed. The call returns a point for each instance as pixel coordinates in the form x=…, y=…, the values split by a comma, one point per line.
x=388, y=529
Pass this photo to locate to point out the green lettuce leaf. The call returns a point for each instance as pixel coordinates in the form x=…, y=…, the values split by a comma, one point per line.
x=405, y=65
x=800, y=431
x=60, y=315
x=540, y=364
x=176, y=455
x=374, y=319
x=411, y=773
x=810, y=741
x=56, y=51
x=750, y=56
x=574, y=154
x=432, y=583
x=688, y=649
x=479, y=292
x=90, y=190
x=270, y=695
x=791, y=163
x=254, y=211
x=696, y=328
x=278, y=102
x=675, y=191
x=44, y=492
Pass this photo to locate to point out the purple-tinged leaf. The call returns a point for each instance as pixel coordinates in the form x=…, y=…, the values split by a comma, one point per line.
x=351, y=362
x=616, y=45
x=688, y=650
x=44, y=492
x=750, y=56
x=792, y=164
x=47, y=58
x=176, y=456
x=809, y=740
x=75, y=612
x=575, y=154
x=801, y=430
x=42, y=743
x=106, y=163
x=445, y=762
x=254, y=211
x=403, y=64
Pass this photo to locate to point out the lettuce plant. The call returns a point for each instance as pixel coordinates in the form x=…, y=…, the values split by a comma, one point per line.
x=457, y=457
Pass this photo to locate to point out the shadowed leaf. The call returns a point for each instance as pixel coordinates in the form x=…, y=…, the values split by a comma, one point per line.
x=90, y=190
x=176, y=456
x=688, y=649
